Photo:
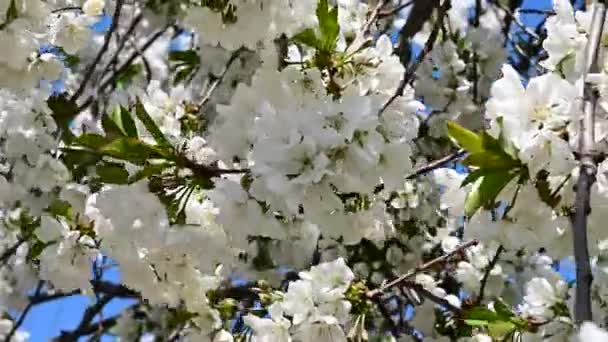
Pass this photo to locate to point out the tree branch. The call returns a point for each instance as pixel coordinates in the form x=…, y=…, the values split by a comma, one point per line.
x=84, y=327
x=395, y=9
x=91, y=68
x=218, y=80
x=487, y=272
x=410, y=71
x=27, y=309
x=436, y=164
x=374, y=15
x=9, y=252
x=420, y=268
x=431, y=296
x=588, y=169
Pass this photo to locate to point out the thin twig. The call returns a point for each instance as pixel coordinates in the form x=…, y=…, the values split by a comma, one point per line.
x=486, y=275
x=588, y=169
x=122, y=68
x=431, y=296
x=27, y=309
x=395, y=9
x=67, y=9
x=373, y=16
x=517, y=22
x=436, y=164
x=420, y=268
x=88, y=74
x=132, y=58
x=122, y=43
x=410, y=71
x=9, y=252
x=475, y=55
x=89, y=315
x=218, y=80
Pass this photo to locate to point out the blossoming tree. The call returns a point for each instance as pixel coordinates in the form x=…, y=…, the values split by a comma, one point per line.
x=305, y=170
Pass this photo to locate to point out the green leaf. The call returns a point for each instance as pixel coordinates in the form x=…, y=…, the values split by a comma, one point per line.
x=78, y=161
x=544, y=189
x=184, y=75
x=503, y=310
x=110, y=128
x=132, y=150
x=490, y=160
x=147, y=171
x=124, y=121
x=476, y=322
x=91, y=140
x=480, y=313
x=485, y=189
x=490, y=143
x=60, y=208
x=473, y=176
x=64, y=111
x=307, y=37
x=189, y=57
x=499, y=330
x=328, y=24
x=468, y=140
x=112, y=173
x=507, y=145
x=127, y=75
x=36, y=248
x=151, y=126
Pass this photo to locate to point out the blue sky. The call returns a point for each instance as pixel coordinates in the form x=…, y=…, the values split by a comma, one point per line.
x=47, y=320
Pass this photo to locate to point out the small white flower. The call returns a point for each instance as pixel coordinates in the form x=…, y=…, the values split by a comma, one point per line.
x=93, y=8
x=591, y=332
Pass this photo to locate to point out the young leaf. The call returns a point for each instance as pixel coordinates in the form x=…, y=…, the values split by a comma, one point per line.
x=112, y=173
x=476, y=322
x=503, y=310
x=188, y=57
x=328, y=24
x=64, y=111
x=480, y=313
x=111, y=129
x=123, y=120
x=507, y=146
x=490, y=160
x=151, y=126
x=499, y=330
x=473, y=176
x=307, y=37
x=91, y=140
x=132, y=150
x=468, y=140
x=485, y=189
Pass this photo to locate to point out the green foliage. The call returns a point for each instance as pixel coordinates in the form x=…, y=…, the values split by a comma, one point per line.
x=124, y=121
x=112, y=173
x=494, y=163
x=325, y=43
x=128, y=74
x=64, y=111
x=328, y=24
x=500, y=323
x=185, y=64
x=132, y=150
x=468, y=140
x=151, y=126
x=543, y=188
